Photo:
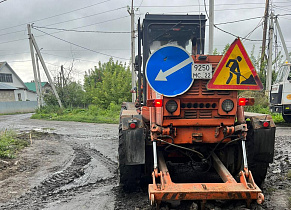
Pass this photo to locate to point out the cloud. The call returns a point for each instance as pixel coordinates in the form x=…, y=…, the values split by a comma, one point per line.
x=99, y=17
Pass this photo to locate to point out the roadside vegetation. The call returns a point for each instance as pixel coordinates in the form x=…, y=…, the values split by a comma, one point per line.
x=97, y=101
x=261, y=105
x=10, y=144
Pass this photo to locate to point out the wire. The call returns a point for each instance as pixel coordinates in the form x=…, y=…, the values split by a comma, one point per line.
x=70, y=57
x=15, y=40
x=185, y=148
x=236, y=21
x=79, y=45
x=140, y=4
x=206, y=9
x=57, y=15
x=2, y=1
x=72, y=30
x=13, y=32
x=87, y=16
x=219, y=144
x=19, y=61
x=90, y=24
x=259, y=24
x=254, y=40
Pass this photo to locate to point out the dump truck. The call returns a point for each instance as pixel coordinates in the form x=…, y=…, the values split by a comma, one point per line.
x=187, y=136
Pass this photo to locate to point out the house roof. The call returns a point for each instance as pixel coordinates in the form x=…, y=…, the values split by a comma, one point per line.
x=6, y=87
x=2, y=64
x=31, y=85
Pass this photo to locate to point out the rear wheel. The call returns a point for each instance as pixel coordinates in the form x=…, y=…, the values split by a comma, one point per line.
x=129, y=175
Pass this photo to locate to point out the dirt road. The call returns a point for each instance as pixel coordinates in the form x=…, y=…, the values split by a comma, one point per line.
x=72, y=165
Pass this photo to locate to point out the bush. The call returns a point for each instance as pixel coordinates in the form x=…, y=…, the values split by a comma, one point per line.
x=10, y=144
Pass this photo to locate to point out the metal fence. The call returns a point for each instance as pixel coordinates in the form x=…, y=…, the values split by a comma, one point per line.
x=17, y=106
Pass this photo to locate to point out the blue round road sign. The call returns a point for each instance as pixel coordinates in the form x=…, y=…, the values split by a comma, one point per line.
x=169, y=70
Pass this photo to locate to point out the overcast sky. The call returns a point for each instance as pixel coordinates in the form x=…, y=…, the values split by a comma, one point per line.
x=112, y=15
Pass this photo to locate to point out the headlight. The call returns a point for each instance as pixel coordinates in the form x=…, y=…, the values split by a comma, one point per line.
x=171, y=106
x=227, y=105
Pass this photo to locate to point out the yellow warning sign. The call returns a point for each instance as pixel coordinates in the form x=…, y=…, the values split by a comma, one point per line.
x=235, y=71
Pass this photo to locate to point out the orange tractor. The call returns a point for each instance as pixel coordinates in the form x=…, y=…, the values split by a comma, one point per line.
x=187, y=140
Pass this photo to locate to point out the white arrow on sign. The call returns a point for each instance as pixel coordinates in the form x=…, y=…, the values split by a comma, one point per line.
x=162, y=76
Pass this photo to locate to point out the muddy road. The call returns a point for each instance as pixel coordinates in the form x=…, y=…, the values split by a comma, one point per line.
x=71, y=165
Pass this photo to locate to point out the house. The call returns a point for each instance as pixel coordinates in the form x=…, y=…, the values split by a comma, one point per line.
x=7, y=92
x=10, y=81
x=46, y=87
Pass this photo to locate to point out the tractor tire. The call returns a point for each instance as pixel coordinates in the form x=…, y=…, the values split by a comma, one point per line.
x=129, y=175
x=287, y=118
x=257, y=167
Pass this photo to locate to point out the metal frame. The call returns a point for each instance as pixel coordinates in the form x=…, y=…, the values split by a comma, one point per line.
x=166, y=190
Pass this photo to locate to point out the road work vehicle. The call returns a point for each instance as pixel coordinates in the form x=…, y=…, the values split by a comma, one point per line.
x=280, y=94
x=187, y=134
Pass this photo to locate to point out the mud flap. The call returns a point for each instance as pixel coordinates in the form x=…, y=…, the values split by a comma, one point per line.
x=134, y=138
x=260, y=140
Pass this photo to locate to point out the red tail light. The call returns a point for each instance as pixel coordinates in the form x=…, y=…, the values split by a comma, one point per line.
x=155, y=103
x=246, y=101
x=132, y=125
x=266, y=124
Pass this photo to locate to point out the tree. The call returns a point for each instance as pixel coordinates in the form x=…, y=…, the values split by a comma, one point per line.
x=107, y=83
x=71, y=95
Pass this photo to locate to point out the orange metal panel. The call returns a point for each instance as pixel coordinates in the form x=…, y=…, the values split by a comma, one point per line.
x=199, y=122
x=185, y=135
x=203, y=191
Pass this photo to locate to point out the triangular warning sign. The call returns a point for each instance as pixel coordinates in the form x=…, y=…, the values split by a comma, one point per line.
x=235, y=71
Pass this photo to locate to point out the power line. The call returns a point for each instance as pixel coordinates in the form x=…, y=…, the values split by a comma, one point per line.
x=79, y=59
x=88, y=16
x=16, y=40
x=227, y=32
x=79, y=45
x=215, y=25
x=237, y=21
x=87, y=31
x=57, y=15
x=259, y=24
x=18, y=61
x=2, y=1
x=13, y=32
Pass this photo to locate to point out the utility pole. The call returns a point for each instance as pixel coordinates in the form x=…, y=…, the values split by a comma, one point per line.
x=211, y=26
x=131, y=12
x=269, y=72
x=264, y=35
x=282, y=40
x=33, y=41
x=39, y=81
x=33, y=65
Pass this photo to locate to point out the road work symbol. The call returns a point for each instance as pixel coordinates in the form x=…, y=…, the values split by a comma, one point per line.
x=235, y=71
x=169, y=70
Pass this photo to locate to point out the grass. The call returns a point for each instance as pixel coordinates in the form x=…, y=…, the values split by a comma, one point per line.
x=10, y=144
x=92, y=114
x=261, y=105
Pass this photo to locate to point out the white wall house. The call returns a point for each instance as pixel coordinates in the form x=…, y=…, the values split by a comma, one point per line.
x=10, y=78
